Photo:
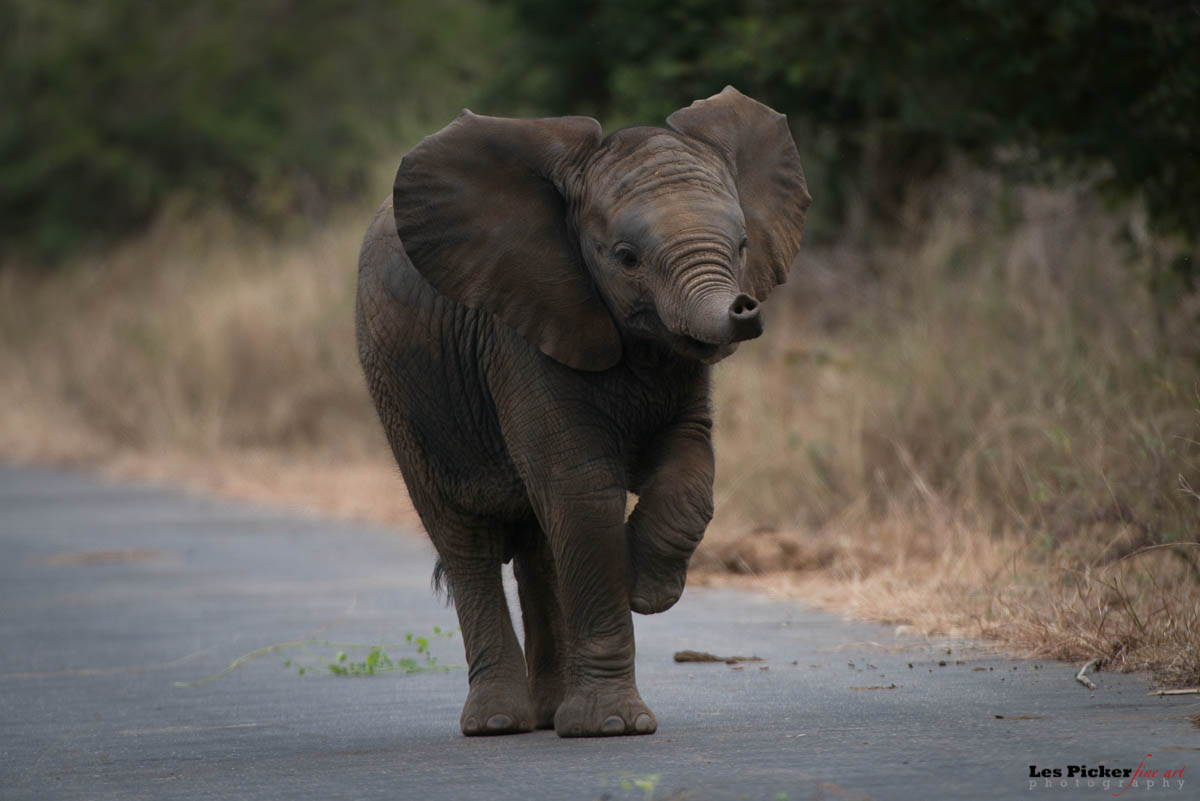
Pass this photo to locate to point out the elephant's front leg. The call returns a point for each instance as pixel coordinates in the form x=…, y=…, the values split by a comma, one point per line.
x=675, y=505
x=545, y=631
x=601, y=696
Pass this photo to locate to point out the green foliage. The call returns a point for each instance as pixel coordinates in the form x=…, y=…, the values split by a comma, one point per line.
x=111, y=109
x=885, y=92
x=114, y=109
x=647, y=783
x=377, y=660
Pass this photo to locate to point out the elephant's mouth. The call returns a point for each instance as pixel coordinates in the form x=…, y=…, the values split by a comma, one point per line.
x=705, y=352
x=647, y=321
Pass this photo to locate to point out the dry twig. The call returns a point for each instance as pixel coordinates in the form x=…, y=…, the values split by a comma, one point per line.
x=704, y=656
x=1084, y=680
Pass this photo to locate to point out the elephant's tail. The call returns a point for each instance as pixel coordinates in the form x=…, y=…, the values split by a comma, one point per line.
x=441, y=582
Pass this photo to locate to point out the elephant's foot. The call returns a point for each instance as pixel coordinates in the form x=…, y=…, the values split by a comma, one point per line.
x=604, y=715
x=656, y=583
x=497, y=707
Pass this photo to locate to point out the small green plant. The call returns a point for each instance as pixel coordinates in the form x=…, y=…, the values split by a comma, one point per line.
x=647, y=784
x=376, y=660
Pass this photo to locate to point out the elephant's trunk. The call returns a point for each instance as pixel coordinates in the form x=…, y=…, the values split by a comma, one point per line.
x=721, y=318
x=704, y=301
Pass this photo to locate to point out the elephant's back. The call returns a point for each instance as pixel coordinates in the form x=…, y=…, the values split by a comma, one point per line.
x=422, y=358
x=387, y=281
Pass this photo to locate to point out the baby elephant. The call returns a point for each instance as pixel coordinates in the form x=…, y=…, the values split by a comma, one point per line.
x=539, y=307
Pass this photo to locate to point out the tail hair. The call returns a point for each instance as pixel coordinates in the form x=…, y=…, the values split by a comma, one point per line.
x=441, y=583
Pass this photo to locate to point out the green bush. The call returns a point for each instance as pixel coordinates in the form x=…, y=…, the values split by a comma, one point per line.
x=272, y=107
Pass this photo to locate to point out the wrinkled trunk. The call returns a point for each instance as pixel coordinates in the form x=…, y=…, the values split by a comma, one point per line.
x=703, y=300
x=723, y=318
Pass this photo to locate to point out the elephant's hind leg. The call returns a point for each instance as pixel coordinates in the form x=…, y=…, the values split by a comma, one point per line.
x=545, y=632
x=498, y=701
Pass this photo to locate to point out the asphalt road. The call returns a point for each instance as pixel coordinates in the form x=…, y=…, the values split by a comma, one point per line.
x=121, y=605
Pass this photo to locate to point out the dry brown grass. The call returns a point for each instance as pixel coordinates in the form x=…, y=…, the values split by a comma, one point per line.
x=987, y=428
x=990, y=427
x=206, y=354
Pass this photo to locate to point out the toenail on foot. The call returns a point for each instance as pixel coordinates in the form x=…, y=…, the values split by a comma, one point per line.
x=471, y=725
x=644, y=723
x=613, y=725
x=498, y=722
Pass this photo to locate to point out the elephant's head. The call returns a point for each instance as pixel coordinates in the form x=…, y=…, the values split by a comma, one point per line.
x=674, y=234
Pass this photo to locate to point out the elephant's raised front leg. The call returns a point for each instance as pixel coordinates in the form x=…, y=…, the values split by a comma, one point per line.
x=471, y=551
x=675, y=505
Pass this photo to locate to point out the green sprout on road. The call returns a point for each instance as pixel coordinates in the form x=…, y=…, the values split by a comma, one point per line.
x=380, y=658
x=647, y=784
x=377, y=658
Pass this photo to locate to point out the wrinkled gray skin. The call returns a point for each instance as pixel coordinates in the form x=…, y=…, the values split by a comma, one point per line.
x=540, y=345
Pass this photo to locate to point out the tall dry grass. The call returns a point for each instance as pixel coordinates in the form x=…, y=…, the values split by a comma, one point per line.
x=990, y=426
x=202, y=352
x=987, y=425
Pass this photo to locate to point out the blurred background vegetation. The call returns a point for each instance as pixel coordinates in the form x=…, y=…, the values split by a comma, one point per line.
x=279, y=108
x=978, y=405
x=273, y=108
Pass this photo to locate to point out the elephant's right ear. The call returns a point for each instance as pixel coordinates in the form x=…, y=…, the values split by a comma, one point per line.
x=481, y=211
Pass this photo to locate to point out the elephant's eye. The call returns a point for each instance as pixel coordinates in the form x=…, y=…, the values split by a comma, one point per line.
x=742, y=248
x=626, y=256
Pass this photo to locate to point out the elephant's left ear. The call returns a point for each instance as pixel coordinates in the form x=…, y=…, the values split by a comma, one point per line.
x=758, y=145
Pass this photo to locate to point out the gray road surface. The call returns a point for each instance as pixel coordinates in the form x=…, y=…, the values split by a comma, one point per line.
x=112, y=596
